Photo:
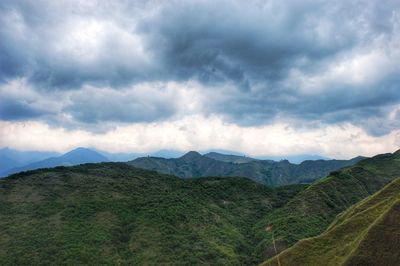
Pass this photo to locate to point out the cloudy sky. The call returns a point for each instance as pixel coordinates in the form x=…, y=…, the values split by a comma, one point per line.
x=265, y=77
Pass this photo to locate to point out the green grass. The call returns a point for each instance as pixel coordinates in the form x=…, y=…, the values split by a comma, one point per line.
x=365, y=234
x=108, y=214
x=312, y=210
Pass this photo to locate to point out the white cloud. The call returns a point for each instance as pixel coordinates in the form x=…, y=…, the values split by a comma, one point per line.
x=200, y=133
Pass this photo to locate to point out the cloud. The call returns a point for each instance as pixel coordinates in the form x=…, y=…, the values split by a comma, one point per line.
x=231, y=40
x=142, y=103
x=99, y=65
x=64, y=44
x=100, y=108
x=200, y=133
x=19, y=101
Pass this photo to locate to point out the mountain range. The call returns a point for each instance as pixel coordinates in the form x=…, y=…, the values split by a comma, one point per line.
x=190, y=165
x=74, y=157
x=113, y=213
x=10, y=158
x=193, y=164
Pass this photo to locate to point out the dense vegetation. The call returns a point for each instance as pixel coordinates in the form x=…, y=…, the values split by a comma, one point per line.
x=112, y=213
x=266, y=172
x=311, y=211
x=365, y=234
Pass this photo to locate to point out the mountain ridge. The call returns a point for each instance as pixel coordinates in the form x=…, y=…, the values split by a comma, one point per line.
x=10, y=158
x=76, y=156
x=194, y=165
x=364, y=234
x=311, y=211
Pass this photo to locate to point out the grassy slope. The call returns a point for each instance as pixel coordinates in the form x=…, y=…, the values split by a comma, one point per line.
x=365, y=234
x=112, y=213
x=311, y=211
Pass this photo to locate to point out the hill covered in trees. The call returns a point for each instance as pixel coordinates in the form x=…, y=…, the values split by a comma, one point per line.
x=268, y=172
x=113, y=213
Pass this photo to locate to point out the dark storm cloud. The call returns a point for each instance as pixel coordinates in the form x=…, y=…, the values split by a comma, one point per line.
x=358, y=105
x=256, y=47
x=243, y=53
x=11, y=109
x=227, y=40
x=63, y=45
x=97, y=106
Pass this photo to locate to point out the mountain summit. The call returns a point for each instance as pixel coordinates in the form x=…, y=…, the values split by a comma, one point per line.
x=82, y=155
x=191, y=155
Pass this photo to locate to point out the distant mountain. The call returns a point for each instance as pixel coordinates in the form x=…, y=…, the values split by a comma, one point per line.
x=74, y=157
x=7, y=163
x=128, y=156
x=365, y=234
x=228, y=158
x=10, y=158
x=311, y=211
x=272, y=173
x=119, y=156
x=297, y=159
x=167, y=154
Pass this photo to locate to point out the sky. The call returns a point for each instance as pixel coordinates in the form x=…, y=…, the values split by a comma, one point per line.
x=265, y=77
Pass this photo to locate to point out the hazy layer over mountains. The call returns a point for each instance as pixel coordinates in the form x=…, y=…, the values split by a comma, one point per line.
x=74, y=157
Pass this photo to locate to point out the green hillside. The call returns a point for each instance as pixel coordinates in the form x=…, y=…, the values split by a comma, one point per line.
x=365, y=234
x=312, y=210
x=267, y=172
x=111, y=213
x=229, y=158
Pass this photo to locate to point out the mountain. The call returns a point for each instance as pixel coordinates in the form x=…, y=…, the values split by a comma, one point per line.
x=74, y=157
x=119, y=156
x=365, y=234
x=7, y=163
x=312, y=210
x=167, y=154
x=228, y=158
x=193, y=164
x=10, y=158
x=112, y=213
x=124, y=157
x=297, y=159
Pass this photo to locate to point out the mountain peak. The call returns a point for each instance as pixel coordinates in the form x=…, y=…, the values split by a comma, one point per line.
x=81, y=149
x=191, y=155
x=83, y=154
